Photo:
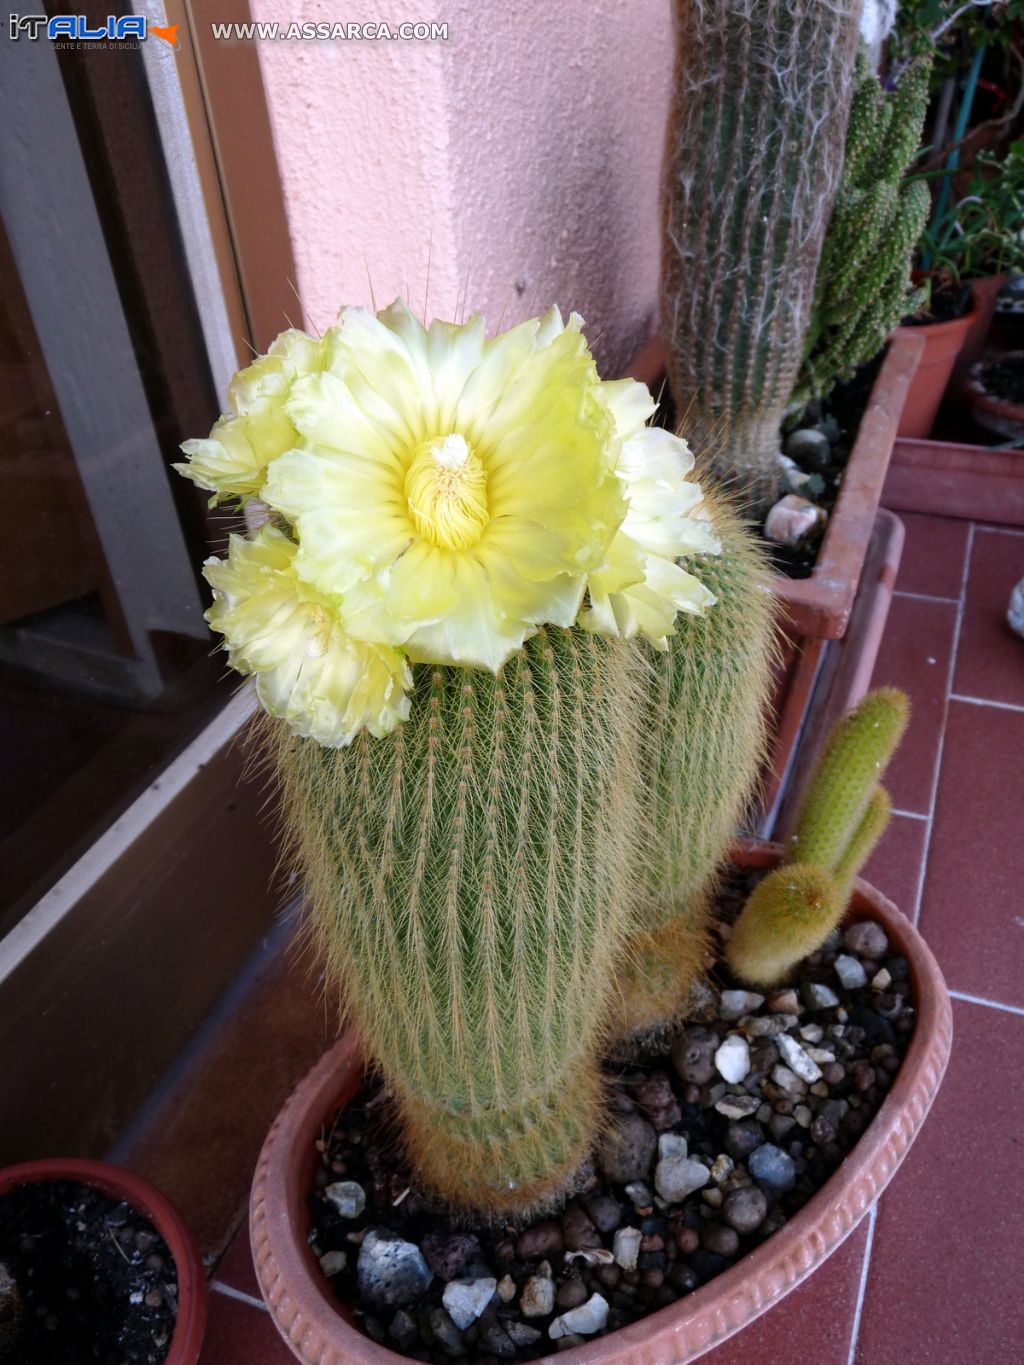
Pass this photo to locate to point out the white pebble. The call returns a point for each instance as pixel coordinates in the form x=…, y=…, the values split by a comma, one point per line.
x=792, y=520
x=538, y=1297
x=465, y=1300
x=797, y=1059
x=672, y=1145
x=1015, y=609
x=348, y=1198
x=734, y=1004
x=850, y=972
x=589, y=1318
x=881, y=980
x=626, y=1247
x=733, y=1059
x=331, y=1262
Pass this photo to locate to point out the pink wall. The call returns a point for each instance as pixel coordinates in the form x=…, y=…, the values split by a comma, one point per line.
x=521, y=158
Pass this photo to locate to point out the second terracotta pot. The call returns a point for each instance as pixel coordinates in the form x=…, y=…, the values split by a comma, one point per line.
x=943, y=342
x=322, y=1331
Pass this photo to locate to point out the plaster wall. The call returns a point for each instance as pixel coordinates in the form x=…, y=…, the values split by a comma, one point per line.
x=513, y=166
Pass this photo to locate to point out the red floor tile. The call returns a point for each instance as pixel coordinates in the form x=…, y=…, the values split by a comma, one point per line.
x=812, y=1325
x=895, y=866
x=915, y=656
x=990, y=658
x=971, y=908
x=239, y=1334
x=933, y=555
x=944, y=1283
x=236, y=1268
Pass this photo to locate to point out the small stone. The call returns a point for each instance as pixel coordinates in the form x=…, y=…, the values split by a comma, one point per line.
x=722, y=1168
x=446, y=1334
x=465, y=1300
x=819, y=997
x=571, y=1294
x=538, y=1297
x=809, y=448
x=590, y=1256
x=604, y=1212
x=676, y=1177
x=693, y=1055
x=506, y=1289
x=794, y=520
x=733, y=1059
x=743, y=1138
x=627, y=1149
x=584, y=1321
x=834, y=1073
x=579, y=1231
x=783, y=1002
x=522, y=1334
x=333, y=1262
x=745, y=1209
x=543, y=1239
x=403, y=1330
x=734, y=1004
x=720, y=1240
x=391, y=1272
x=788, y=1081
x=866, y=939
x=802, y=1115
x=779, y=1125
x=448, y=1254
x=812, y=1033
x=772, y=1168
x=738, y=1106
x=797, y=1059
x=850, y=972
x=346, y=1197
x=671, y=1145
x=639, y=1195
x=713, y=1196
x=626, y=1247
x=881, y=981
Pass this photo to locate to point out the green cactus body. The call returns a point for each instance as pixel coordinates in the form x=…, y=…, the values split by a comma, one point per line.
x=761, y=99
x=843, y=815
x=703, y=748
x=470, y=878
x=863, y=285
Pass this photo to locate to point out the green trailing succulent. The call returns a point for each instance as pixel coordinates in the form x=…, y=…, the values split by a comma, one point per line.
x=863, y=288
x=843, y=815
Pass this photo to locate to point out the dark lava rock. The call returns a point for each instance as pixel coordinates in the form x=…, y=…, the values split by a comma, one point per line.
x=448, y=1254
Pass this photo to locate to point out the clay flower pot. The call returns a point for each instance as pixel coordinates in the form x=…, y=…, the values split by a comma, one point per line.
x=320, y=1331
x=943, y=342
x=1002, y=416
x=190, y=1324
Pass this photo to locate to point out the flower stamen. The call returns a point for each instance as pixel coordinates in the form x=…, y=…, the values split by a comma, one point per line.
x=446, y=491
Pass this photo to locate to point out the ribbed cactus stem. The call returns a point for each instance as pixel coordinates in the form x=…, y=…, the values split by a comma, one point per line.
x=846, y=777
x=702, y=747
x=755, y=144
x=470, y=878
x=788, y=916
x=873, y=825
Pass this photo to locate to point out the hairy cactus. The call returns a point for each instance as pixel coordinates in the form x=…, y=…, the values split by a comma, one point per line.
x=755, y=147
x=471, y=885
x=843, y=815
x=863, y=285
x=702, y=749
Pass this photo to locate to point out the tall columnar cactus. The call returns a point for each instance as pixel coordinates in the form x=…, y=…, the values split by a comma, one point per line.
x=864, y=285
x=843, y=814
x=755, y=147
x=469, y=890
x=704, y=744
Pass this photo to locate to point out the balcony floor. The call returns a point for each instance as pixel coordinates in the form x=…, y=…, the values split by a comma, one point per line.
x=931, y=1277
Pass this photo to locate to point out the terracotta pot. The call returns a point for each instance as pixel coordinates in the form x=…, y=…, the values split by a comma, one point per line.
x=119, y=1184
x=983, y=296
x=944, y=479
x=819, y=607
x=943, y=342
x=1002, y=416
x=320, y=1331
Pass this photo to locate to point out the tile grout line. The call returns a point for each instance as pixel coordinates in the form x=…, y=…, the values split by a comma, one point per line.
x=1000, y=530
x=985, y=701
x=989, y=1004
x=925, y=597
x=863, y=1286
x=950, y=675
x=230, y=1292
x=910, y=815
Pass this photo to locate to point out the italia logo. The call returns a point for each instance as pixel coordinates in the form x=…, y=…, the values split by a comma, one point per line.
x=77, y=28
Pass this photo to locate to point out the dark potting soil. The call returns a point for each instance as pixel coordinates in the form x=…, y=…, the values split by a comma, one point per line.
x=95, y=1284
x=945, y=304
x=695, y=1172
x=1005, y=378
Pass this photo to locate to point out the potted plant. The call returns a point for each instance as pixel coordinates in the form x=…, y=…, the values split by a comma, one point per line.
x=995, y=391
x=95, y=1263
x=514, y=664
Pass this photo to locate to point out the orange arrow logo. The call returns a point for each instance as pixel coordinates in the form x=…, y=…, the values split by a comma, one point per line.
x=168, y=34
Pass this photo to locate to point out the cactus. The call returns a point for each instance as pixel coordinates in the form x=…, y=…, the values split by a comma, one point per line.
x=704, y=745
x=471, y=884
x=843, y=815
x=761, y=99
x=863, y=287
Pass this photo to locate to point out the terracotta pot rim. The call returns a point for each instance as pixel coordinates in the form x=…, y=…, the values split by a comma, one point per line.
x=321, y=1332
x=981, y=396
x=947, y=325
x=190, y=1323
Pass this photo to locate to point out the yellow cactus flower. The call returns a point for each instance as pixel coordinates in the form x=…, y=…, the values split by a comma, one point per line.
x=231, y=462
x=324, y=684
x=453, y=492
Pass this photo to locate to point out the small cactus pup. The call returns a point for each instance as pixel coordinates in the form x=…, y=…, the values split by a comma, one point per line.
x=472, y=544
x=843, y=815
x=704, y=744
x=761, y=99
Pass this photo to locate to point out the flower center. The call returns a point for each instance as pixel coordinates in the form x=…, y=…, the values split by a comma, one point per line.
x=446, y=489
